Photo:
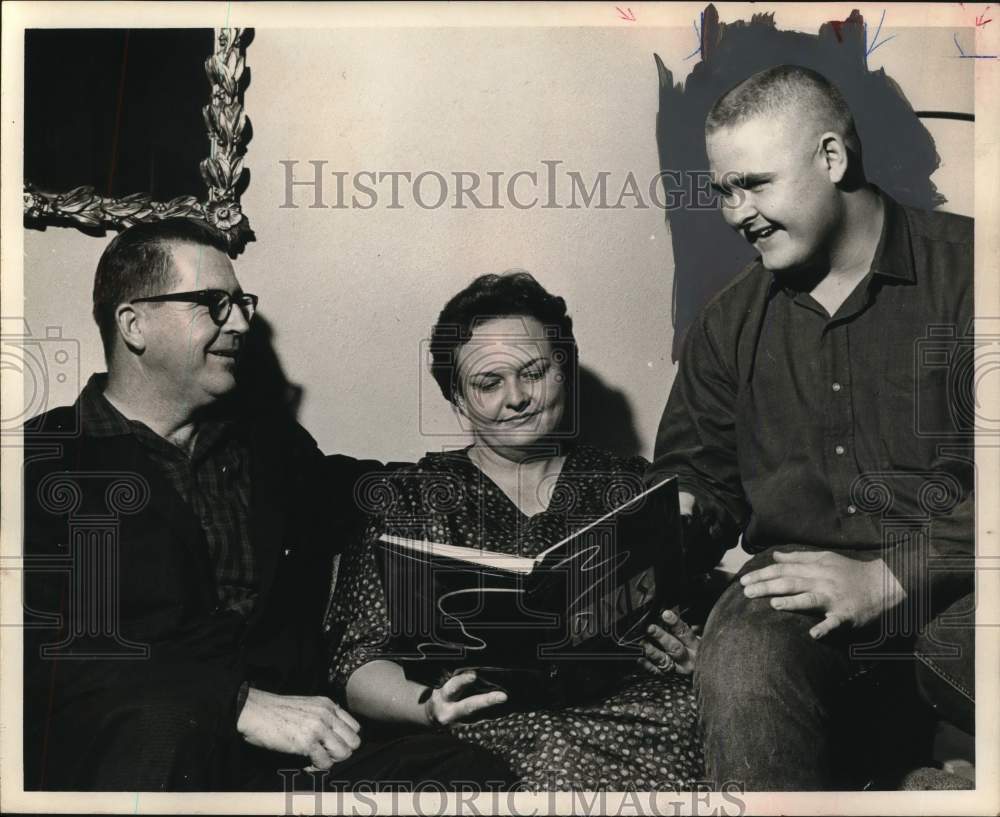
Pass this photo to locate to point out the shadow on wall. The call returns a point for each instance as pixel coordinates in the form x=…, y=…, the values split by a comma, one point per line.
x=899, y=152
x=605, y=419
x=263, y=389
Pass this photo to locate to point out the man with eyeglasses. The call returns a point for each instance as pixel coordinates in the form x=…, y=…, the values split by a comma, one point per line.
x=179, y=646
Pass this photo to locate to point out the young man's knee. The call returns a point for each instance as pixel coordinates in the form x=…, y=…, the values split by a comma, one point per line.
x=751, y=650
x=749, y=632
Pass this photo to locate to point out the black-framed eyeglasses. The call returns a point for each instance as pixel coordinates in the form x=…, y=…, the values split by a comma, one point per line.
x=219, y=302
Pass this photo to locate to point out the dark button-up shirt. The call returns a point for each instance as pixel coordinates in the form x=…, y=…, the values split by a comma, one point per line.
x=214, y=481
x=851, y=431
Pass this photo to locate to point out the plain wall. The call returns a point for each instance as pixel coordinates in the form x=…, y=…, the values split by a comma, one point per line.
x=351, y=293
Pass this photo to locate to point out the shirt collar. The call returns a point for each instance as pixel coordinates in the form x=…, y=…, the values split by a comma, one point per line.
x=893, y=255
x=100, y=418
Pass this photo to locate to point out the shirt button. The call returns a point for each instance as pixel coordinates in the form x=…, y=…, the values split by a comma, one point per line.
x=851, y=509
x=839, y=449
x=836, y=387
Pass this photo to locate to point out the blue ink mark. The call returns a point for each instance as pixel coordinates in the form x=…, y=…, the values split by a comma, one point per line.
x=875, y=42
x=697, y=33
x=963, y=56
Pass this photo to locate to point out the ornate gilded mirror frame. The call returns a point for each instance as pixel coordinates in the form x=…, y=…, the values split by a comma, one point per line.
x=222, y=171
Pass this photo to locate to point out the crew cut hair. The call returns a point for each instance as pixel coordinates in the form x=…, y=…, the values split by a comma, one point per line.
x=787, y=89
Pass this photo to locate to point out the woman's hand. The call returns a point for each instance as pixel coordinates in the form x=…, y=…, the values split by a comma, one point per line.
x=455, y=700
x=673, y=646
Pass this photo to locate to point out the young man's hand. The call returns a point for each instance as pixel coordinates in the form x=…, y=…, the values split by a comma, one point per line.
x=849, y=592
x=311, y=726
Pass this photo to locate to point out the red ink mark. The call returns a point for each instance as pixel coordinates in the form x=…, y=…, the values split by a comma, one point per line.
x=625, y=15
x=849, y=29
x=981, y=19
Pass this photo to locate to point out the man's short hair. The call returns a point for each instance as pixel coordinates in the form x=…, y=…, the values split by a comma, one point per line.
x=787, y=89
x=138, y=263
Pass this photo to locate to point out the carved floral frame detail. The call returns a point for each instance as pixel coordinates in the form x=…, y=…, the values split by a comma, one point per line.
x=222, y=171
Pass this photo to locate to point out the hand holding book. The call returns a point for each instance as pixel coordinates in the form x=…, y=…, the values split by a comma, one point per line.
x=573, y=617
x=458, y=698
x=674, y=646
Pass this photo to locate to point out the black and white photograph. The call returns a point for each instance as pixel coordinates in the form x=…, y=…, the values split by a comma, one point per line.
x=500, y=408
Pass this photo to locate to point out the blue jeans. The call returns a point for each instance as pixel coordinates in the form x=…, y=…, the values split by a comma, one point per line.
x=946, y=672
x=772, y=699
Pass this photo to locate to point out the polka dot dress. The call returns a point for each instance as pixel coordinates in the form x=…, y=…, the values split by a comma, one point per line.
x=642, y=736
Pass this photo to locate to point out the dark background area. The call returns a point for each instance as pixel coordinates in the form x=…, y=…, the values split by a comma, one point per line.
x=116, y=109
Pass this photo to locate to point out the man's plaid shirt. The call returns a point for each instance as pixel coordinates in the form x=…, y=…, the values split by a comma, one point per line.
x=214, y=481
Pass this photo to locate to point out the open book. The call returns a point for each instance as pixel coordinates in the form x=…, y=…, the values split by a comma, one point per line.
x=587, y=599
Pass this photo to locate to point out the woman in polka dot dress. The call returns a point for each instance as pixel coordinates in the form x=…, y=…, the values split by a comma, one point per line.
x=504, y=354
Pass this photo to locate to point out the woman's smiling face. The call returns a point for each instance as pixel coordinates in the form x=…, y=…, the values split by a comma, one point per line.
x=511, y=389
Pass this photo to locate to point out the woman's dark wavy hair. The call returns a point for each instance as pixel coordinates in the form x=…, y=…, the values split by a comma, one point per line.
x=511, y=294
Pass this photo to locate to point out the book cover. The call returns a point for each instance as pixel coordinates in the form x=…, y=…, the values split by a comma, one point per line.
x=577, y=609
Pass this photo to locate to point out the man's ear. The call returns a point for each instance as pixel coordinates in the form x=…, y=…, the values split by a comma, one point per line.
x=129, y=326
x=834, y=154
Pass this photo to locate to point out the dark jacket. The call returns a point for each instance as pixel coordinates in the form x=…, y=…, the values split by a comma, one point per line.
x=119, y=595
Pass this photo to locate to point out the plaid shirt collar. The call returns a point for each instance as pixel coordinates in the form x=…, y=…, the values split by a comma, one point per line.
x=99, y=418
